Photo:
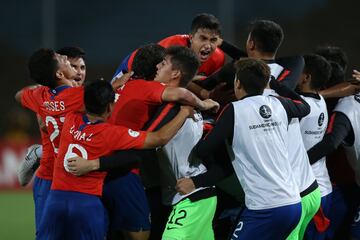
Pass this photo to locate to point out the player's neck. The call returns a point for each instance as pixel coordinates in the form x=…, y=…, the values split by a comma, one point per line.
x=95, y=118
x=262, y=55
x=307, y=89
x=64, y=82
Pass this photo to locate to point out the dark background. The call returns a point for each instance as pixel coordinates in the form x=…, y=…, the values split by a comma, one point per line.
x=109, y=30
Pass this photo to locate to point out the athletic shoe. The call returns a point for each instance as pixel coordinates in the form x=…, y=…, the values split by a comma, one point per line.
x=29, y=165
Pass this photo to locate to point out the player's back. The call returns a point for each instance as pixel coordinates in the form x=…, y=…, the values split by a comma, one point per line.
x=313, y=127
x=52, y=105
x=261, y=155
x=350, y=106
x=56, y=104
x=89, y=140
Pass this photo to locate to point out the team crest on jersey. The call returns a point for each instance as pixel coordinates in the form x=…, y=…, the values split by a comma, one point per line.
x=133, y=133
x=357, y=98
x=321, y=119
x=265, y=111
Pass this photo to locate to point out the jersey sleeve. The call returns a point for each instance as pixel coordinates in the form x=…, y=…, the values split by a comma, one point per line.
x=30, y=98
x=294, y=105
x=223, y=130
x=152, y=92
x=339, y=129
x=122, y=138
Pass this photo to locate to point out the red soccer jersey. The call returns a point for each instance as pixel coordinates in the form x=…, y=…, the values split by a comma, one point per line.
x=214, y=63
x=91, y=141
x=52, y=105
x=46, y=168
x=138, y=101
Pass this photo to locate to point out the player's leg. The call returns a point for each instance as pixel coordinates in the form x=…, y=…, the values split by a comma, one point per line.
x=41, y=189
x=309, y=205
x=127, y=206
x=191, y=220
x=355, y=226
x=159, y=212
x=54, y=218
x=274, y=223
x=86, y=217
x=317, y=228
x=338, y=209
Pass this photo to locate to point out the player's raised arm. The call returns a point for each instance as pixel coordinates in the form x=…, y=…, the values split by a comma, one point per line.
x=184, y=96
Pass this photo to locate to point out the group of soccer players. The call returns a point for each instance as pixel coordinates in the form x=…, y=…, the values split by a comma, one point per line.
x=150, y=156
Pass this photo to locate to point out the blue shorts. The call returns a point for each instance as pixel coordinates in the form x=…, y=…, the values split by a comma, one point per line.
x=274, y=223
x=338, y=209
x=126, y=203
x=72, y=215
x=41, y=189
x=311, y=231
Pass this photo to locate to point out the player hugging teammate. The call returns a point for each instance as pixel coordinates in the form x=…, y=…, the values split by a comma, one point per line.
x=259, y=164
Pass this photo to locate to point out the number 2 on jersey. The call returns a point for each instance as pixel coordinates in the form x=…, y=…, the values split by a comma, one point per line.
x=56, y=131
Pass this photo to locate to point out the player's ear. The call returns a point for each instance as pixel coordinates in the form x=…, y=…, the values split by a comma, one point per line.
x=251, y=44
x=175, y=74
x=307, y=77
x=238, y=84
x=59, y=74
x=190, y=38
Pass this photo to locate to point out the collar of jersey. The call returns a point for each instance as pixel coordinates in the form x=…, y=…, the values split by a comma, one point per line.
x=307, y=94
x=268, y=61
x=250, y=95
x=57, y=90
x=87, y=122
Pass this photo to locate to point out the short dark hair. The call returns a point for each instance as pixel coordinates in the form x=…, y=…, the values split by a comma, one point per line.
x=146, y=59
x=267, y=35
x=185, y=60
x=253, y=75
x=337, y=74
x=319, y=69
x=207, y=21
x=97, y=96
x=333, y=53
x=43, y=66
x=72, y=52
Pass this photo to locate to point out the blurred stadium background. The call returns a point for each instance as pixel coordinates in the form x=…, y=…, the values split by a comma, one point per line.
x=108, y=31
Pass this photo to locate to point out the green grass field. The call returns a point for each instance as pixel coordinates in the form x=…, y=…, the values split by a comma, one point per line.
x=17, y=221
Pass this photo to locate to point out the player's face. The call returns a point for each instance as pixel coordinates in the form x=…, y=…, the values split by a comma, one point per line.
x=79, y=65
x=65, y=67
x=203, y=43
x=164, y=70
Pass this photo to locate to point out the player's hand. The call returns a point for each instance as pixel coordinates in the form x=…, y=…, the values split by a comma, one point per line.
x=79, y=166
x=222, y=94
x=211, y=105
x=120, y=81
x=185, y=186
x=356, y=76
